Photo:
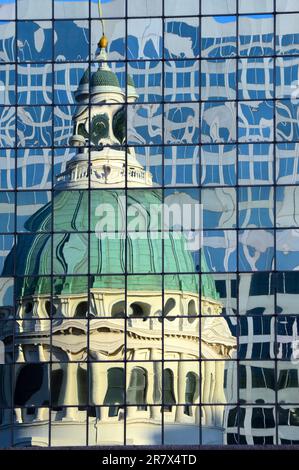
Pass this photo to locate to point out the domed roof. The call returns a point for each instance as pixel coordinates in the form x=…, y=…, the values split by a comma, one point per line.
x=109, y=251
x=85, y=77
x=83, y=88
x=104, y=78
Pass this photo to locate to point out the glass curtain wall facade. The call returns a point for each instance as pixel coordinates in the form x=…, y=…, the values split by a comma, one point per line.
x=149, y=169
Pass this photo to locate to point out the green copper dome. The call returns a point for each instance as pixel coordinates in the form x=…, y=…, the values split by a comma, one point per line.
x=104, y=78
x=85, y=77
x=111, y=254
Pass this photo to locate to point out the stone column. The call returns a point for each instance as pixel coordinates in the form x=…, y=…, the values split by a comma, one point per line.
x=150, y=384
x=64, y=305
x=201, y=397
x=155, y=384
x=70, y=390
x=99, y=304
x=19, y=415
x=181, y=388
x=99, y=385
x=219, y=396
x=212, y=389
x=40, y=353
x=42, y=414
x=7, y=380
x=206, y=392
x=131, y=410
x=20, y=353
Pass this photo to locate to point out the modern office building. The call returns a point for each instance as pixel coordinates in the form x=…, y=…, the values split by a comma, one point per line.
x=120, y=326
x=106, y=361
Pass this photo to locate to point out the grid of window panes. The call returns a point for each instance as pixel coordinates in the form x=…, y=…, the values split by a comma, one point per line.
x=216, y=123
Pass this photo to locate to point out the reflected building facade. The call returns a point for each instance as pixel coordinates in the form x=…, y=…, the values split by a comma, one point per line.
x=132, y=336
x=103, y=357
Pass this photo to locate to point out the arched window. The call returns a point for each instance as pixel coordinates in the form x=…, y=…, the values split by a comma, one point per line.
x=118, y=309
x=169, y=398
x=28, y=308
x=5, y=386
x=191, y=311
x=50, y=308
x=82, y=386
x=81, y=310
x=190, y=392
x=56, y=384
x=119, y=125
x=136, y=393
x=29, y=382
x=139, y=309
x=169, y=309
x=115, y=391
x=136, y=310
x=3, y=313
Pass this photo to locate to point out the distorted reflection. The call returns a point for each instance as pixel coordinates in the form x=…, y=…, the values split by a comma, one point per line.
x=125, y=317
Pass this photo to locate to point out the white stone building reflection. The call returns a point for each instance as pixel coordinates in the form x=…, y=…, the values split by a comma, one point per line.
x=120, y=374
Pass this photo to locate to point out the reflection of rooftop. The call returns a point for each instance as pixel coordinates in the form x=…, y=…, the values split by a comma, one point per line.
x=27, y=331
x=103, y=172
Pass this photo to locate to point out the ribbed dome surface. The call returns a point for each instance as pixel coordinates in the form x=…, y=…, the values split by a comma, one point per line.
x=104, y=78
x=85, y=77
x=111, y=253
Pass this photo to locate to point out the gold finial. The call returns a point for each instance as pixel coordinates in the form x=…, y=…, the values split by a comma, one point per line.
x=103, y=42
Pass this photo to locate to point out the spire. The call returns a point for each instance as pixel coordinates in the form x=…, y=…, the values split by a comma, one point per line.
x=103, y=42
x=102, y=126
x=104, y=80
x=102, y=55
